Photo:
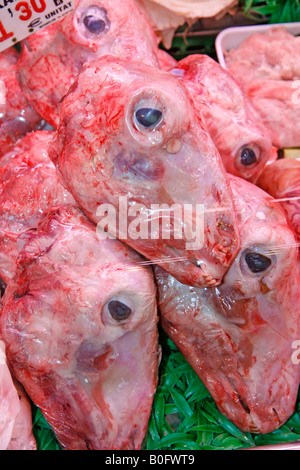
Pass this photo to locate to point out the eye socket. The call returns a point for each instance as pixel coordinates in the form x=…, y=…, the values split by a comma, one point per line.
x=95, y=21
x=257, y=263
x=119, y=311
x=148, y=117
x=248, y=156
x=2, y=287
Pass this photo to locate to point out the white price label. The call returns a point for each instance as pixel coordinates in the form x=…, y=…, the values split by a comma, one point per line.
x=20, y=18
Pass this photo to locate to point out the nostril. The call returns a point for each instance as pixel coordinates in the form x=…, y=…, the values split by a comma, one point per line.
x=244, y=405
x=276, y=414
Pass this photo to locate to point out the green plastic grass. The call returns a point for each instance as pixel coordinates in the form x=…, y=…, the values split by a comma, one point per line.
x=184, y=416
x=276, y=11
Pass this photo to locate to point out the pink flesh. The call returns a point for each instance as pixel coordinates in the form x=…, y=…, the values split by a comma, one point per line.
x=17, y=118
x=58, y=52
x=230, y=118
x=92, y=377
x=29, y=185
x=22, y=437
x=15, y=411
x=267, y=68
x=239, y=337
x=99, y=163
x=281, y=180
x=166, y=61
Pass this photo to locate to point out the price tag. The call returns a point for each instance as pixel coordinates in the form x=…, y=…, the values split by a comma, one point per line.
x=20, y=18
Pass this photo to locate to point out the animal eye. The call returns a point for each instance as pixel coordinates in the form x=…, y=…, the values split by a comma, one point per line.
x=148, y=117
x=94, y=25
x=248, y=156
x=2, y=287
x=96, y=21
x=257, y=263
x=119, y=311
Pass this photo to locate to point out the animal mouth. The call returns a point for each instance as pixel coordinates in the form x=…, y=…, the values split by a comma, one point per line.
x=209, y=280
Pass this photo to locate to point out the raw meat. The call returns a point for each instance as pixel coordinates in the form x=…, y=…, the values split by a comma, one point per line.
x=17, y=118
x=239, y=337
x=80, y=327
x=281, y=180
x=166, y=61
x=15, y=412
x=29, y=185
x=22, y=436
x=131, y=131
x=235, y=127
x=267, y=67
x=53, y=57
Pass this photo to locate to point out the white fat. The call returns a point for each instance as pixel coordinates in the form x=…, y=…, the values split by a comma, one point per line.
x=261, y=215
x=2, y=353
x=2, y=93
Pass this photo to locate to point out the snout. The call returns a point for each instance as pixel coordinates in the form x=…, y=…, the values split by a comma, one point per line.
x=128, y=386
x=253, y=412
x=263, y=393
x=242, y=349
x=195, y=180
x=119, y=381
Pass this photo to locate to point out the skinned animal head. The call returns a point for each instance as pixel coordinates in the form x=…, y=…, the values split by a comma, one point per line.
x=57, y=53
x=239, y=337
x=80, y=327
x=130, y=136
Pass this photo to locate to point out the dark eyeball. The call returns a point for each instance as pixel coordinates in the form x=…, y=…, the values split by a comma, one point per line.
x=248, y=156
x=94, y=25
x=257, y=263
x=96, y=21
x=148, y=117
x=2, y=287
x=119, y=311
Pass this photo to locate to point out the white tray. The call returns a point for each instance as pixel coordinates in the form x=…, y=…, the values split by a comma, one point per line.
x=230, y=38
